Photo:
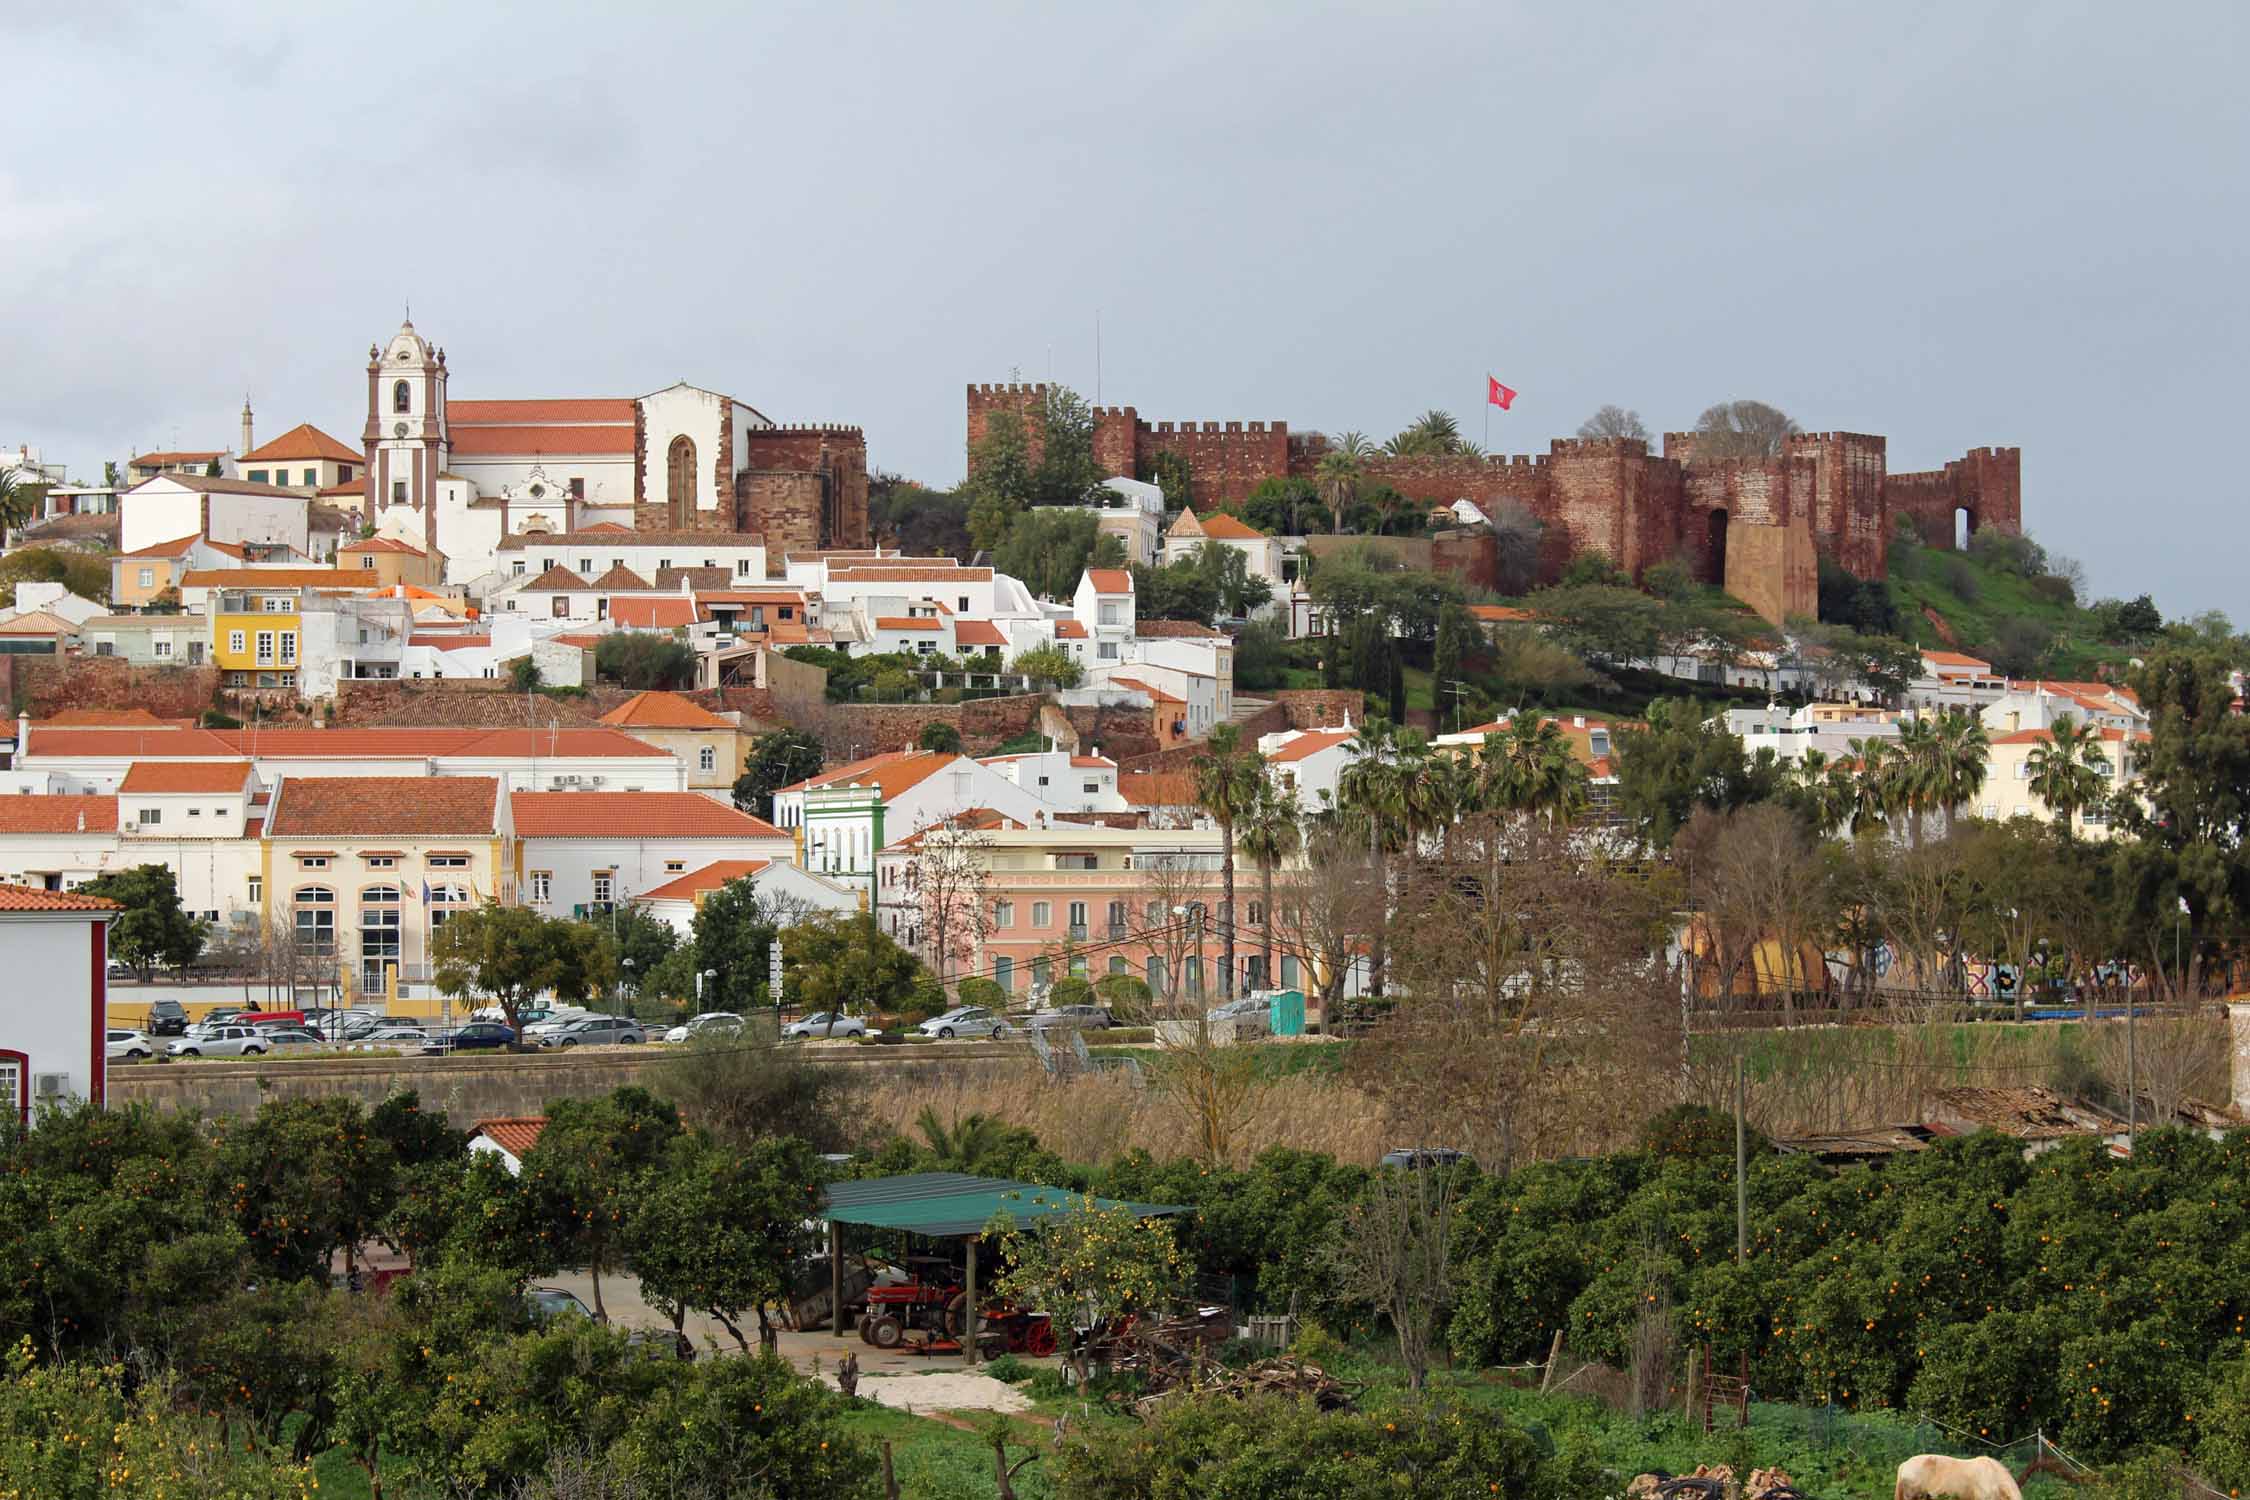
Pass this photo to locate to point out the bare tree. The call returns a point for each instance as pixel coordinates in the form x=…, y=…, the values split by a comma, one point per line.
x=1325, y=912
x=950, y=875
x=2171, y=1059
x=1172, y=888
x=1743, y=429
x=1614, y=422
x=1392, y=1248
x=1762, y=886
x=1519, y=535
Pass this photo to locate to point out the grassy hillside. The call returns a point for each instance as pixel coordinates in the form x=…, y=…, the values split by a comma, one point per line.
x=1997, y=611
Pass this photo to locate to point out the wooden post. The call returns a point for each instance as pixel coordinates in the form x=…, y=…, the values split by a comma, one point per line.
x=836, y=1278
x=969, y=1306
x=1741, y=1172
x=1554, y=1353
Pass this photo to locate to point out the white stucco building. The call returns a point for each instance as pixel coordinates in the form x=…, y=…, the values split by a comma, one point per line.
x=52, y=1047
x=171, y=506
x=584, y=853
x=785, y=892
x=847, y=816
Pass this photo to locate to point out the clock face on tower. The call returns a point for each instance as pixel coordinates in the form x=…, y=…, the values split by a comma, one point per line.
x=398, y=429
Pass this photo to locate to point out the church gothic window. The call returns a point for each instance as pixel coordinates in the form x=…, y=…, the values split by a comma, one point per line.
x=402, y=397
x=679, y=487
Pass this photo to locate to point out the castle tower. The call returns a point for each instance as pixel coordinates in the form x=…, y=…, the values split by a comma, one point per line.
x=406, y=442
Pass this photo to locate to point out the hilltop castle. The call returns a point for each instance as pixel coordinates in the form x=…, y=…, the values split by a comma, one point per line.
x=1756, y=526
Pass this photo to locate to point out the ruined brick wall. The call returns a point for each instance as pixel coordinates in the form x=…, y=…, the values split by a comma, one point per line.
x=46, y=685
x=1320, y=708
x=851, y=730
x=1471, y=556
x=1985, y=482
x=805, y=487
x=1226, y=460
x=1774, y=568
x=1115, y=427
x=1847, y=503
x=453, y=702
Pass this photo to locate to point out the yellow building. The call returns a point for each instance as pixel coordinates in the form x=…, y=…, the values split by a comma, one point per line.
x=137, y=578
x=2007, y=789
x=386, y=562
x=712, y=746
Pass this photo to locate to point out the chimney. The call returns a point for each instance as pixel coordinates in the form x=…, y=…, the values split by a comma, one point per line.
x=247, y=445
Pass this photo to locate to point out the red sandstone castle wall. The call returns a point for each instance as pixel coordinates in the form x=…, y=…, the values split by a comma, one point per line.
x=805, y=487
x=1985, y=482
x=1226, y=460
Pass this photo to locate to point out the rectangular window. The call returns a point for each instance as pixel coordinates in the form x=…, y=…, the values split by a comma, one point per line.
x=1288, y=972
x=382, y=862
x=258, y=476
x=605, y=882
x=517, y=569
x=195, y=812
x=675, y=867
x=662, y=563
x=1116, y=919
x=578, y=489
x=1042, y=913
x=234, y=642
x=148, y=578
x=312, y=477
x=1003, y=913
x=1004, y=974
x=1090, y=787
x=265, y=648
x=151, y=815
x=367, y=559
x=741, y=566
x=316, y=929
x=1078, y=919
x=964, y=604
x=449, y=861
x=1076, y=862
x=1039, y=971
x=398, y=492
x=586, y=566
x=542, y=886
x=257, y=889
x=289, y=648
x=343, y=473
x=313, y=862
x=160, y=649
x=1110, y=615
x=1109, y=651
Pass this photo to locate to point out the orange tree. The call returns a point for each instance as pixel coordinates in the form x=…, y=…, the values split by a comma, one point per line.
x=1092, y=1265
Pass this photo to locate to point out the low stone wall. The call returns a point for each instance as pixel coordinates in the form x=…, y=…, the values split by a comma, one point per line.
x=46, y=685
x=1320, y=708
x=854, y=730
x=484, y=1087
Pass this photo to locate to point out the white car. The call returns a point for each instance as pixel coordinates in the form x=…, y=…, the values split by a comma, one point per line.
x=131, y=1044
x=966, y=1020
x=555, y=1024
x=720, y=1021
x=385, y=1037
x=224, y=1041
x=824, y=1024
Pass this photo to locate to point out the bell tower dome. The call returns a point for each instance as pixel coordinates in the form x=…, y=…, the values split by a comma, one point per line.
x=406, y=441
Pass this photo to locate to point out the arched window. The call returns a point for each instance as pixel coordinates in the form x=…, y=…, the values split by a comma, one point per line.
x=707, y=759
x=315, y=918
x=679, y=479
x=402, y=397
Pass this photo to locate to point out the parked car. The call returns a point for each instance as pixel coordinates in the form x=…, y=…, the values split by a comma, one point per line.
x=119, y=969
x=1243, y=1009
x=1084, y=1017
x=825, y=1023
x=389, y=1036
x=167, y=1018
x=711, y=1022
x=661, y=1343
x=224, y=1041
x=553, y=1021
x=476, y=1036
x=131, y=1044
x=293, y=1036
x=597, y=1031
x=548, y=1302
x=965, y=1020
x=1416, y=1158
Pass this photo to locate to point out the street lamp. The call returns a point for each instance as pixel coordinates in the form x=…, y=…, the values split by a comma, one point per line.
x=1193, y=911
x=624, y=981
x=701, y=975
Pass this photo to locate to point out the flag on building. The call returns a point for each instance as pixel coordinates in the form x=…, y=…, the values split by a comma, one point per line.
x=1496, y=394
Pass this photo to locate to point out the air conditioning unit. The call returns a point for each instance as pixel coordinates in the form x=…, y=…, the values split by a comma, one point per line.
x=132, y=827
x=50, y=1085
x=599, y=780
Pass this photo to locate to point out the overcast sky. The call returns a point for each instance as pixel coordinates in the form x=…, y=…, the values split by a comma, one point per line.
x=1952, y=224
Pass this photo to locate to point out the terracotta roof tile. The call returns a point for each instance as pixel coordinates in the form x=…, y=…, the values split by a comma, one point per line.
x=620, y=577
x=670, y=579
x=164, y=549
x=515, y=1134
x=977, y=633
x=58, y=813
x=302, y=441
x=895, y=772
x=276, y=578
x=1166, y=630
x=110, y=718
x=477, y=442
x=150, y=460
x=1309, y=744
x=633, y=815
x=656, y=710
x=654, y=614
x=391, y=806
x=1501, y=614
x=382, y=544
x=29, y=898
x=534, y=412
x=1139, y=686
x=908, y=573
x=37, y=622
x=1228, y=528
x=713, y=875
x=1157, y=788
x=522, y=540
x=557, y=580
x=908, y=623
x=157, y=776
x=204, y=484
x=1070, y=630
x=1110, y=580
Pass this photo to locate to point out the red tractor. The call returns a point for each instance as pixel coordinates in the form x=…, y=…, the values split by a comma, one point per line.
x=895, y=1308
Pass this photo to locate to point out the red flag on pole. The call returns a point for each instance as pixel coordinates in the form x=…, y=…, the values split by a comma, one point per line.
x=1496, y=394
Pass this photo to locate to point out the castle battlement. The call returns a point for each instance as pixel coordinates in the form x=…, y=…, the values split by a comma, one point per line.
x=784, y=429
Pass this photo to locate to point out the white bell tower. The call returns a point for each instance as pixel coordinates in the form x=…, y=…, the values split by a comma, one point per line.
x=406, y=441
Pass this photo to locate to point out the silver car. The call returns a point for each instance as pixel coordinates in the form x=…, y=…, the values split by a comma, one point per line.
x=132, y=1044
x=825, y=1023
x=224, y=1041
x=966, y=1020
x=711, y=1022
x=596, y=1031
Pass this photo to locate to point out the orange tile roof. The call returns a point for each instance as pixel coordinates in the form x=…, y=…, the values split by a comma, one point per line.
x=556, y=580
x=515, y=1134
x=59, y=813
x=2044, y=736
x=656, y=710
x=621, y=577
x=1110, y=580
x=654, y=614
x=518, y=541
x=444, y=642
x=895, y=772
x=977, y=633
x=37, y=622
x=348, y=487
x=157, y=776
x=275, y=578
x=514, y=413
x=605, y=528
x=910, y=573
x=582, y=642
x=1228, y=528
x=1309, y=744
x=1154, y=692
x=1501, y=614
x=633, y=815
x=1092, y=762
x=356, y=744
x=1157, y=788
x=302, y=441
x=142, y=460
x=393, y=806
x=1070, y=630
x=231, y=549
x=476, y=442
x=383, y=544
x=713, y=875
x=30, y=898
x=906, y=622
x=1163, y=630
x=164, y=549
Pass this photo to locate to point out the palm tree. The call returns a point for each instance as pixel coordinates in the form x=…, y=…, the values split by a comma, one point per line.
x=16, y=499
x=1227, y=774
x=1367, y=796
x=1337, y=477
x=1434, y=433
x=1529, y=767
x=1269, y=833
x=1963, y=759
x=1872, y=801
x=1824, y=790
x=1911, y=774
x=2069, y=771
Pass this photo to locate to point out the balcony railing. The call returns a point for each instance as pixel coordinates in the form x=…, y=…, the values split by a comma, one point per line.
x=1078, y=932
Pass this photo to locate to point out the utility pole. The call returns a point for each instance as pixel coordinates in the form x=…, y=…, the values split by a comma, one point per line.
x=1741, y=1172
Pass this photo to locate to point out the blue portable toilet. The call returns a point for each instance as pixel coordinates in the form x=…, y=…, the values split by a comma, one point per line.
x=1286, y=1012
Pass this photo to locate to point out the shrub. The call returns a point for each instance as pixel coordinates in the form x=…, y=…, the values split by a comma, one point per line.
x=978, y=990
x=2052, y=588
x=642, y=661
x=1071, y=990
x=937, y=734
x=1010, y=1369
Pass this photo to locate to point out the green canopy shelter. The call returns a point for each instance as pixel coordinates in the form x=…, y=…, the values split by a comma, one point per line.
x=945, y=1206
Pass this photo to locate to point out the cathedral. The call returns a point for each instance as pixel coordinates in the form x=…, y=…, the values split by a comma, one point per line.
x=455, y=477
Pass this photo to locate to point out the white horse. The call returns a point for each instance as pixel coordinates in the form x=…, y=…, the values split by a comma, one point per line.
x=1927, y=1476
